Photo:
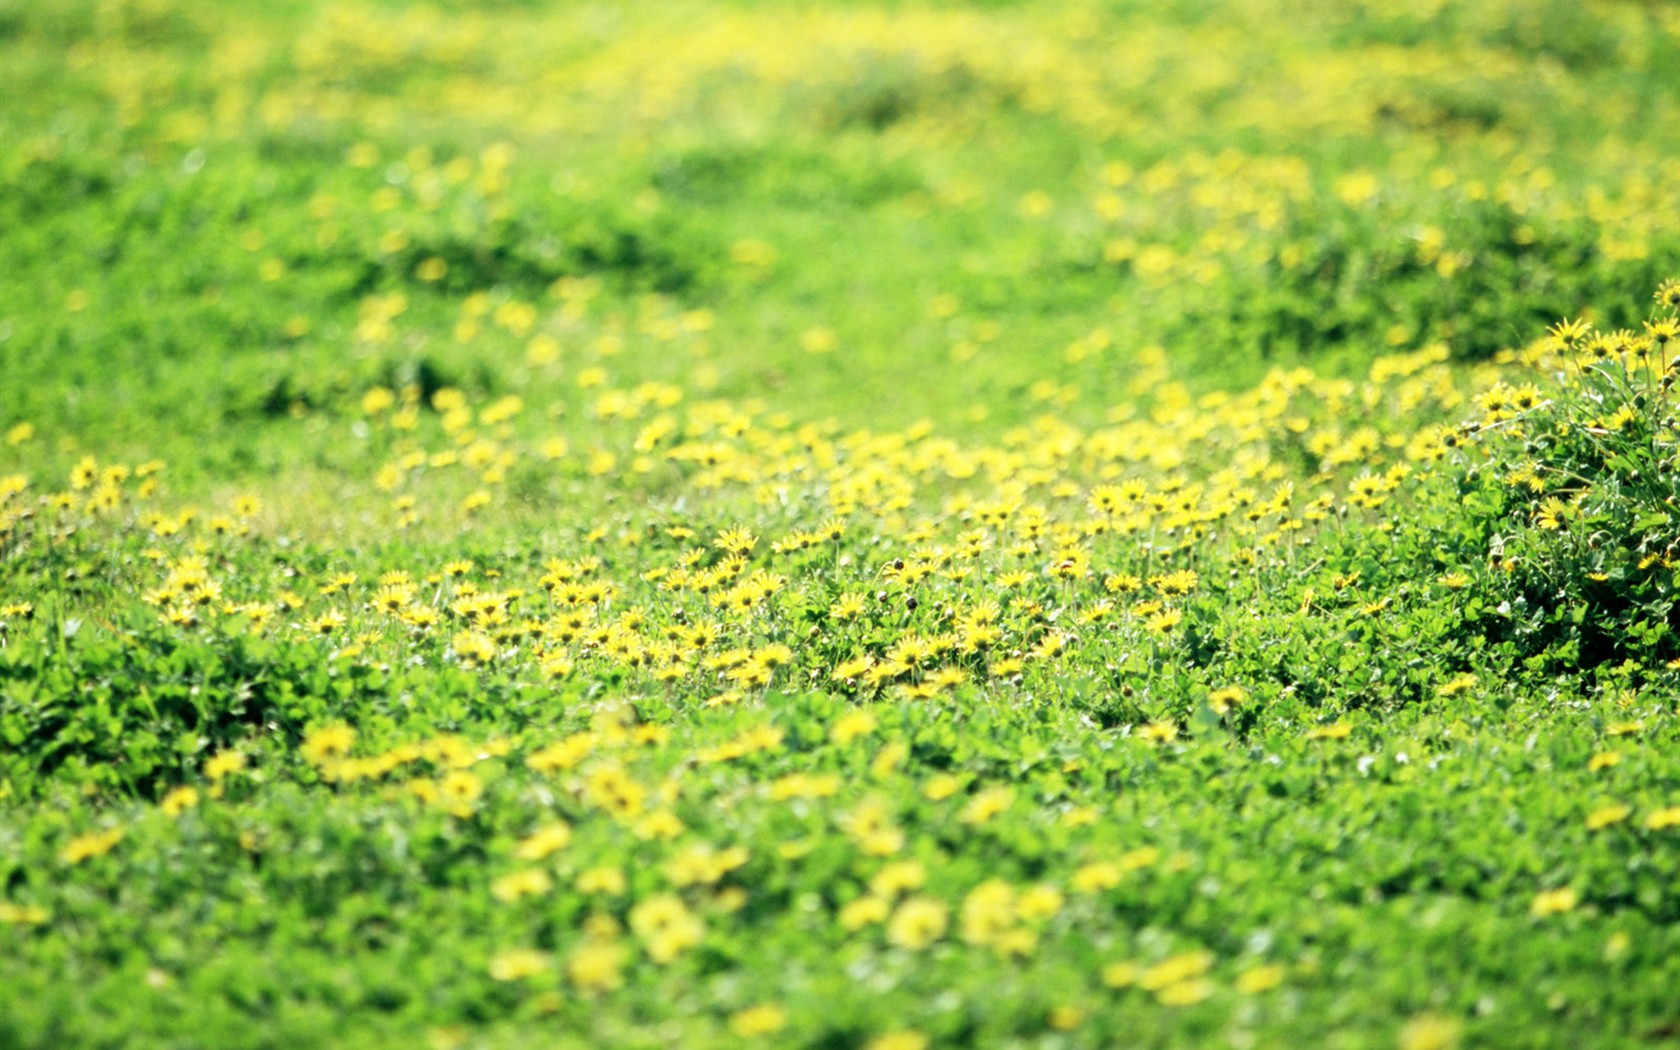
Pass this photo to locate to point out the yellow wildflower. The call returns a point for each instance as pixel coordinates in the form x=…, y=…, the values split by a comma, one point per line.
x=328, y=744
x=528, y=882
x=1176, y=970
x=762, y=1019
x=903, y=1039
x=1554, y=902
x=1429, y=1032
x=545, y=840
x=91, y=844
x=596, y=965
x=666, y=927
x=1605, y=816
x=1260, y=979
x=918, y=922
x=1662, y=819
x=518, y=965
x=179, y=801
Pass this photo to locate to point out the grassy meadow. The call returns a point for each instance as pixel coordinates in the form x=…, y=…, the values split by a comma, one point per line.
x=880, y=526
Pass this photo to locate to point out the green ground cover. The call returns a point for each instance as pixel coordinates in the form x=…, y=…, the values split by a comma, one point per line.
x=874, y=526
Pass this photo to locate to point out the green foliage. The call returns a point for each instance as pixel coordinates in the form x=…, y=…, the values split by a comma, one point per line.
x=867, y=528
x=1579, y=493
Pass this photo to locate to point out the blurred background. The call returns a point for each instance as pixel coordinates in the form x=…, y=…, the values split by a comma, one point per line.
x=965, y=213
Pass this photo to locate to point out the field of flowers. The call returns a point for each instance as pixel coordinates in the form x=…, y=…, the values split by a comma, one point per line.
x=858, y=526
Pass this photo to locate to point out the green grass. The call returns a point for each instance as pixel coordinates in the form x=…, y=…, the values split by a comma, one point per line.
x=874, y=526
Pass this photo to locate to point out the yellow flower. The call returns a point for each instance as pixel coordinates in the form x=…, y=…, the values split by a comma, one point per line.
x=1454, y=686
x=562, y=754
x=1019, y=942
x=986, y=805
x=903, y=1039
x=1121, y=974
x=918, y=922
x=853, y=724
x=518, y=965
x=328, y=744
x=1663, y=818
x=847, y=671
x=1357, y=189
x=849, y=606
x=223, y=763
x=882, y=842
x=91, y=844
x=988, y=912
x=1137, y=859
x=22, y=914
x=863, y=911
x=803, y=785
x=1081, y=816
x=458, y=792
x=179, y=801
x=597, y=965
x=377, y=400
x=1222, y=700
x=660, y=824
x=1260, y=979
x=1554, y=902
x=1175, y=970
x=1163, y=621
x=473, y=648
x=666, y=926
x=529, y=882
x=898, y=877
x=611, y=788
x=1097, y=876
x=942, y=786
x=762, y=1019
x=870, y=823
x=1429, y=1032
x=1159, y=732
x=1039, y=902
x=610, y=881
x=328, y=622
x=545, y=840
x=1605, y=816
x=1185, y=993
x=736, y=541
x=703, y=865
x=1065, y=1018
x=1004, y=668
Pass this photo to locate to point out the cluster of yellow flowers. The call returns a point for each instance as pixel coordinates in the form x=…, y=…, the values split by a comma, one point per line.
x=1065, y=530
x=1072, y=530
